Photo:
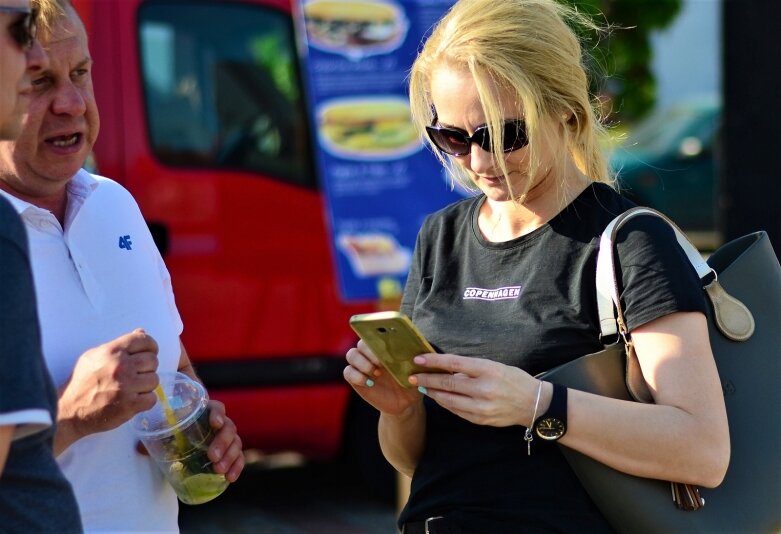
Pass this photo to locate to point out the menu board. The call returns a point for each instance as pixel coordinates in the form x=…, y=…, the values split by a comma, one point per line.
x=379, y=178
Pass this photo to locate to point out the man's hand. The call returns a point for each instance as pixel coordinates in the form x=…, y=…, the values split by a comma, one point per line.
x=109, y=385
x=225, y=450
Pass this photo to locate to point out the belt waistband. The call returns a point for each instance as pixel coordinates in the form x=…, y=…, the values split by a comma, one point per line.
x=432, y=525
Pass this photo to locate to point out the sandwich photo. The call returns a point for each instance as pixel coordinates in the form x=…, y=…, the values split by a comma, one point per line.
x=368, y=128
x=346, y=26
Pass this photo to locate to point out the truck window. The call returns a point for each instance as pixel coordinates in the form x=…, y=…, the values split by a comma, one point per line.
x=222, y=89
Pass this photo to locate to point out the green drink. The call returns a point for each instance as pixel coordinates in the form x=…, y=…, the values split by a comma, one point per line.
x=177, y=434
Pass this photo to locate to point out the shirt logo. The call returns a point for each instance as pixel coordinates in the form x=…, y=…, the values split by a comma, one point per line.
x=125, y=242
x=500, y=293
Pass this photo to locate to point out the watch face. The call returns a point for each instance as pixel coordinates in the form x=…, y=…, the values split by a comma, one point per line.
x=550, y=428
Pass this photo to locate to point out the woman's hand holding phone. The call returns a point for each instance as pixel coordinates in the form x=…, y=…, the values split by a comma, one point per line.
x=374, y=383
x=482, y=391
x=393, y=359
x=389, y=342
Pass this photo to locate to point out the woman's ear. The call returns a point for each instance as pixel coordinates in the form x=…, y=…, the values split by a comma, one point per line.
x=569, y=120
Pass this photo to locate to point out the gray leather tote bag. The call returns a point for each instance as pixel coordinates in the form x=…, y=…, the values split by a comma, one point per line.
x=749, y=362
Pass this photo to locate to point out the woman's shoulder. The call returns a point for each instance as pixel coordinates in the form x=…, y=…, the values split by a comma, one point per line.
x=654, y=273
x=586, y=217
x=642, y=232
x=602, y=201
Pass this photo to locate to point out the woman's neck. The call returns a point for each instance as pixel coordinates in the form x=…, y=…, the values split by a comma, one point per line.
x=501, y=221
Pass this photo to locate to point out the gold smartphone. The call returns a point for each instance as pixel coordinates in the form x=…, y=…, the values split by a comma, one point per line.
x=395, y=340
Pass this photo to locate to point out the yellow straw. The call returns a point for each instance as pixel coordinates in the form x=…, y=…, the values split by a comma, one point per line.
x=169, y=415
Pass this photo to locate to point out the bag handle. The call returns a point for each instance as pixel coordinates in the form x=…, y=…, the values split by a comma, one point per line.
x=732, y=318
x=607, y=282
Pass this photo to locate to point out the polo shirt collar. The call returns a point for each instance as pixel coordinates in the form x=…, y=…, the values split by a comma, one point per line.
x=81, y=186
x=19, y=205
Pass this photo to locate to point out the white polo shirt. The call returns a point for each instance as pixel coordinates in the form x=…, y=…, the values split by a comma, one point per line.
x=101, y=278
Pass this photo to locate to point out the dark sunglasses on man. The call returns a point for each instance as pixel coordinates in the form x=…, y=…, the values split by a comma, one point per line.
x=23, y=31
x=457, y=143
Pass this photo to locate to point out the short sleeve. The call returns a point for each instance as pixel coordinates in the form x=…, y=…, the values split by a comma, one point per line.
x=412, y=286
x=655, y=276
x=165, y=277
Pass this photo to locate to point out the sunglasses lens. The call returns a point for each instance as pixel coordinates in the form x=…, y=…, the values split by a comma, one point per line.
x=449, y=141
x=514, y=136
x=23, y=31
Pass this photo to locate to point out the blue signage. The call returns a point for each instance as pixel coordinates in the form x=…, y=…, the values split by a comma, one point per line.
x=379, y=178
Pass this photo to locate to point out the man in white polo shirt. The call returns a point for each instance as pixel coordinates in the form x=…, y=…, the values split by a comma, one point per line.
x=99, y=279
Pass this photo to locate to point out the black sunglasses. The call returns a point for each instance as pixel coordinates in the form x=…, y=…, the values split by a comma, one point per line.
x=457, y=143
x=24, y=30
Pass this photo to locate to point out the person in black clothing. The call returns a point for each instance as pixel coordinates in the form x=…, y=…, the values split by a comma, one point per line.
x=503, y=286
x=34, y=494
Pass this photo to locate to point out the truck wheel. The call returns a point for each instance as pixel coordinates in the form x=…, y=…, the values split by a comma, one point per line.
x=362, y=452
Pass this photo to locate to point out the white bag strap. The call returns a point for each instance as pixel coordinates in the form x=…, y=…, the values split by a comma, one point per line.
x=607, y=284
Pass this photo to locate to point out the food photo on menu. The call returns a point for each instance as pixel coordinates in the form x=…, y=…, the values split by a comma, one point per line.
x=368, y=128
x=355, y=28
x=375, y=253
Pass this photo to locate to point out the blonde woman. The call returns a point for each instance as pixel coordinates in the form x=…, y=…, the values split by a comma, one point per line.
x=502, y=284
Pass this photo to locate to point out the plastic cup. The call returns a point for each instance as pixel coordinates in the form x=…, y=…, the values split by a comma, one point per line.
x=178, y=439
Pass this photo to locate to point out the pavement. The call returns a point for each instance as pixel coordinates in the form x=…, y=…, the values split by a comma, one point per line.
x=319, y=498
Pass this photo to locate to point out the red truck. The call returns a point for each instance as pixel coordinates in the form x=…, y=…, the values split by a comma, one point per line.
x=203, y=119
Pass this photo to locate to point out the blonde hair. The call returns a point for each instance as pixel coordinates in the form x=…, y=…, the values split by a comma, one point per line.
x=49, y=12
x=529, y=49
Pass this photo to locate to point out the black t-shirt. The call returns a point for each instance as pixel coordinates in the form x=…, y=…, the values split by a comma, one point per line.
x=531, y=303
x=34, y=494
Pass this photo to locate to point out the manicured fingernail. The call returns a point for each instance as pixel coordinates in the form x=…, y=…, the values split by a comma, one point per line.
x=377, y=372
x=420, y=360
x=423, y=390
x=369, y=382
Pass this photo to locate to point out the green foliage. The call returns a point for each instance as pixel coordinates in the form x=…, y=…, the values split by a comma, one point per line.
x=624, y=56
x=268, y=51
